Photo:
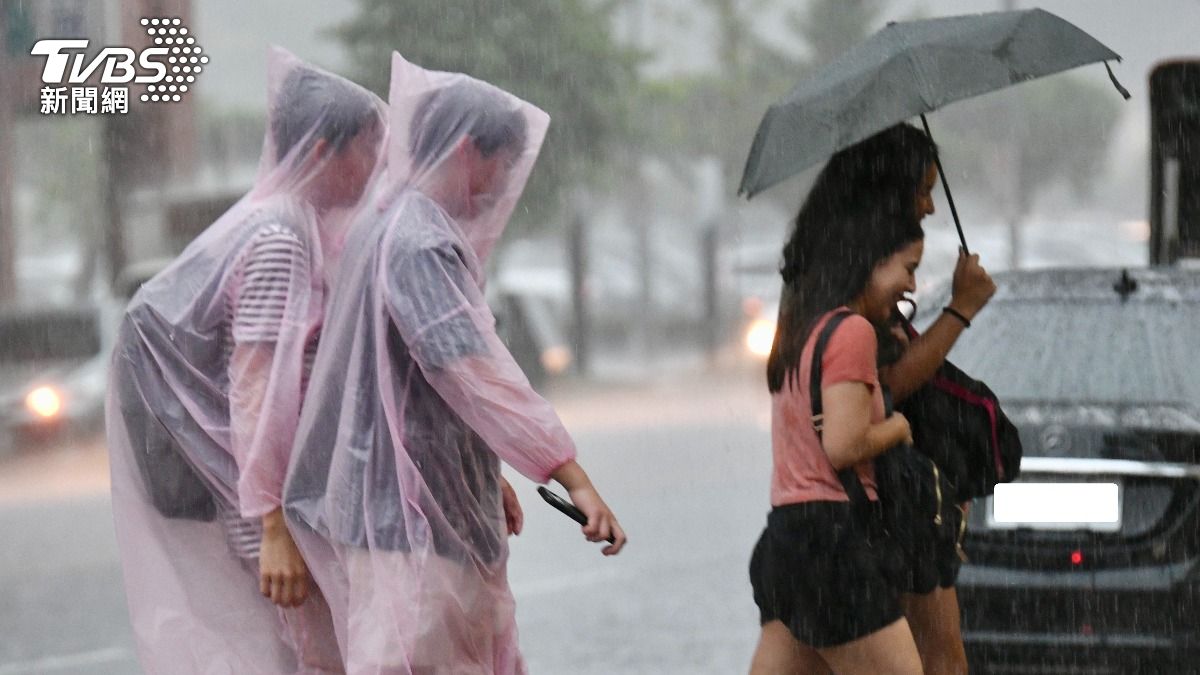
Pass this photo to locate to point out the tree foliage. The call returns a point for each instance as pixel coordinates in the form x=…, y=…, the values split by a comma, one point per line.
x=560, y=55
x=829, y=27
x=717, y=113
x=1016, y=144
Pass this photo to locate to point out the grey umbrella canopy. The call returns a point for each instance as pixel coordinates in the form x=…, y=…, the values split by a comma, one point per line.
x=905, y=70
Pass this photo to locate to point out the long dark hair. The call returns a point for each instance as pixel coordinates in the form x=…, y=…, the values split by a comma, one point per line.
x=861, y=210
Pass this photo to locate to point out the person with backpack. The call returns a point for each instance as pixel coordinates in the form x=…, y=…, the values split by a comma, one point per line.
x=907, y=173
x=933, y=556
x=826, y=594
x=212, y=361
x=394, y=491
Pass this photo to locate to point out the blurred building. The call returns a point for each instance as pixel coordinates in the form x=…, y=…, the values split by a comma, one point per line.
x=143, y=150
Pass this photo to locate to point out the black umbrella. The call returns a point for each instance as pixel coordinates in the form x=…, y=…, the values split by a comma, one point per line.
x=905, y=70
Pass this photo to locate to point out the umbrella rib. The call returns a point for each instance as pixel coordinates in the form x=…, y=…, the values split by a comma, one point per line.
x=919, y=79
x=868, y=87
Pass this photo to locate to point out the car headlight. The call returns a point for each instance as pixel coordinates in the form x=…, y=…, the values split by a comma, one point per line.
x=760, y=336
x=44, y=402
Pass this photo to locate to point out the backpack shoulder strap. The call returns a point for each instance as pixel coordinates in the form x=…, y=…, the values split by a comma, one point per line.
x=848, y=476
x=814, y=377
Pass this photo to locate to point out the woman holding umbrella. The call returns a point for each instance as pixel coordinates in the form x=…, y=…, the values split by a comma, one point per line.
x=856, y=244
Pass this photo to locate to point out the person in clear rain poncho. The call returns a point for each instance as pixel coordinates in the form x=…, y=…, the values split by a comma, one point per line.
x=394, y=491
x=211, y=363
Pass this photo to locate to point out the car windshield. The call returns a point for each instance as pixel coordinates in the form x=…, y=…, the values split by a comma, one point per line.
x=1102, y=352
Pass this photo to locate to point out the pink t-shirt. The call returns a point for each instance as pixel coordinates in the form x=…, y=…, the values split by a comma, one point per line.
x=802, y=471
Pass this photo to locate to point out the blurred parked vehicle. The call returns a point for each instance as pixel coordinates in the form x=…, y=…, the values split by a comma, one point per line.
x=1091, y=561
x=53, y=363
x=533, y=330
x=755, y=281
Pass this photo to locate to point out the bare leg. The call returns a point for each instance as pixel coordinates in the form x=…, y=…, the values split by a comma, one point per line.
x=887, y=651
x=934, y=618
x=780, y=653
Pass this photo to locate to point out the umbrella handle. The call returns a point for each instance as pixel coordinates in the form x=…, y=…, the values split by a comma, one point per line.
x=946, y=186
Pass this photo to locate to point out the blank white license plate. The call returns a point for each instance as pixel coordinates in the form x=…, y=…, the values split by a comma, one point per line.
x=1056, y=506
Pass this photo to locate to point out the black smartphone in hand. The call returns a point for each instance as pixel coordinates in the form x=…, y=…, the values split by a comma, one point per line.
x=566, y=507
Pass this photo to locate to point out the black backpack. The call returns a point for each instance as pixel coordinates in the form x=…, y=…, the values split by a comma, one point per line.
x=957, y=421
x=916, y=500
x=155, y=422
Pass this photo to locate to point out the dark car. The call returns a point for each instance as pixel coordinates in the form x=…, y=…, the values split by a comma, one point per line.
x=1091, y=561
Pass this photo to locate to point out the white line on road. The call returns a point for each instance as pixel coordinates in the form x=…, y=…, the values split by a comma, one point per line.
x=50, y=664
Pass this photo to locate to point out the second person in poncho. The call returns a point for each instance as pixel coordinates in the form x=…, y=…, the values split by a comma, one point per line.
x=394, y=489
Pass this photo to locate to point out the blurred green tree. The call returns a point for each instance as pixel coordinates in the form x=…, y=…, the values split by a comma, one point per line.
x=1010, y=148
x=1067, y=125
x=558, y=54
x=716, y=113
x=829, y=27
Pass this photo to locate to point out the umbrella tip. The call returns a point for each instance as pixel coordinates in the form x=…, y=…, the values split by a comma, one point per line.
x=1121, y=90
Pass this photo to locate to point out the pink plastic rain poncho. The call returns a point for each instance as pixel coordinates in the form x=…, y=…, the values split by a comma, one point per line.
x=394, y=489
x=206, y=384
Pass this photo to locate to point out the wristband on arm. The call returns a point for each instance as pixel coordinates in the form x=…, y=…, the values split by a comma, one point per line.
x=958, y=315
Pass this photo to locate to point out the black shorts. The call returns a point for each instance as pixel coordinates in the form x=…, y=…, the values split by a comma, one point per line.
x=819, y=573
x=930, y=562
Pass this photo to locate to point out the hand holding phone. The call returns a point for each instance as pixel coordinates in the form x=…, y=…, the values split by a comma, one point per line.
x=566, y=507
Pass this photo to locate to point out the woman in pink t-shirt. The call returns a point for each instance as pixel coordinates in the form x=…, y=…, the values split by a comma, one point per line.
x=825, y=599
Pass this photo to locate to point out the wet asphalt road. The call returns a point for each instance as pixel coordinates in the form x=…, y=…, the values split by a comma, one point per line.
x=684, y=464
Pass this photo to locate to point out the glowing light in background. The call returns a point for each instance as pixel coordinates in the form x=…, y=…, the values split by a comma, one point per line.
x=44, y=402
x=760, y=336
